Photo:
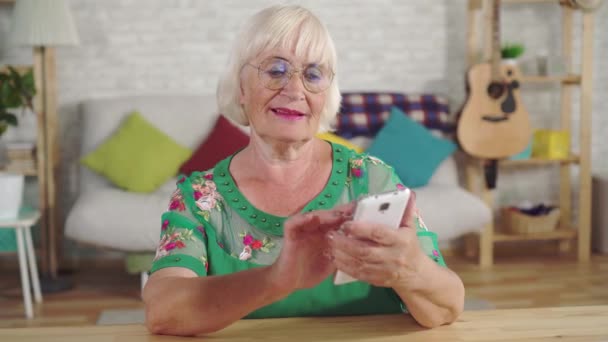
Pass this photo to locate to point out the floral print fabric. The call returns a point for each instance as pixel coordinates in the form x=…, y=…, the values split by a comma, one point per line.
x=197, y=206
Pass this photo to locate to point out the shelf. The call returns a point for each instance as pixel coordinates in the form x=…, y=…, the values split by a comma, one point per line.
x=529, y=1
x=25, y=172
x=25, y=167
x=576, y=44
x=565, y=79
x=22, y=69
x=565, y=234
x=538, y=161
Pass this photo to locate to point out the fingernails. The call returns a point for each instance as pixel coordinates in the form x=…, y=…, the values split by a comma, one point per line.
x=345, y=227
x=342, y=214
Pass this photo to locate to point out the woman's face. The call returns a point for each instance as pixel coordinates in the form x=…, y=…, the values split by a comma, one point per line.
x=290, y=113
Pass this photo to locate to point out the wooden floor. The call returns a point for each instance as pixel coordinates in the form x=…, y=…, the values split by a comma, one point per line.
x=512, y=283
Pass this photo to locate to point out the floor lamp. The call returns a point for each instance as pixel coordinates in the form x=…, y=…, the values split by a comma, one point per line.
x=43, y=25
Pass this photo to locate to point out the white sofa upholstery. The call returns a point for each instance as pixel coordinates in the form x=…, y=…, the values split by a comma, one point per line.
x=109, y=217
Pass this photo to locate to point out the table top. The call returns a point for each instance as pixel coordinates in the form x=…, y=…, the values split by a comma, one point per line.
x=582, y=323
x=27, y=217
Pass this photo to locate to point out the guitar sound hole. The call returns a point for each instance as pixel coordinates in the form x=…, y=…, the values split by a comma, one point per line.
x=495, y=90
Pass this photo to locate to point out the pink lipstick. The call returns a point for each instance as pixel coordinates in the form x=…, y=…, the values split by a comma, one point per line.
x=288, y=114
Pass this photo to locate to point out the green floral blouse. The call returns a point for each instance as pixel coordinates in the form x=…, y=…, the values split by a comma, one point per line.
x=212, y=229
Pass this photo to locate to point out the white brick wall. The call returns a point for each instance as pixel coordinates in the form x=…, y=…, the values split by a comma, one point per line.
x=178, y=46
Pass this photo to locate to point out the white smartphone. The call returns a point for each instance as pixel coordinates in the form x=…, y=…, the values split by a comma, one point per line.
x=386, y=208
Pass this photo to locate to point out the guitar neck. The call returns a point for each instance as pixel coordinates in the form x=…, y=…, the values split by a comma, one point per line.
x=496, y=54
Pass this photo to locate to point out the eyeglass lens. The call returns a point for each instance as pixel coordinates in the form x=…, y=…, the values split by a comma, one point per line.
x=275, y=73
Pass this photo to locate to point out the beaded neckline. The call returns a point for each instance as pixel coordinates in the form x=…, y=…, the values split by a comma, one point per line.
x=272, y=224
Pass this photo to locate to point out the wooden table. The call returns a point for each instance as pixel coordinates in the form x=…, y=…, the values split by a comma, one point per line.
x=584, y=323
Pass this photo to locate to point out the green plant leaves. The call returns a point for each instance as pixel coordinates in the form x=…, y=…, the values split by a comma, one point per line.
x=512, y=50
x=9, y=98
x=16, y=91
x=8, y=118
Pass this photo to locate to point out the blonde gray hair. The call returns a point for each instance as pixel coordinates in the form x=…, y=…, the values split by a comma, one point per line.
x=279, y=26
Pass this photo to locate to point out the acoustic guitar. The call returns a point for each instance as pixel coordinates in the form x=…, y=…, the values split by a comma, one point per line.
x=493, y=123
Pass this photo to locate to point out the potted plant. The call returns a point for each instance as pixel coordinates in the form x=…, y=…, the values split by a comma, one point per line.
x=510, y=52
x=16, y=92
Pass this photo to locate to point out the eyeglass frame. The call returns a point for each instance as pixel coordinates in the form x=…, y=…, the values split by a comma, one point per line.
x=291, y=73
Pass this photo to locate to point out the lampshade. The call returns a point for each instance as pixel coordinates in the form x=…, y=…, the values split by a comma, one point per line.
x=42, y=23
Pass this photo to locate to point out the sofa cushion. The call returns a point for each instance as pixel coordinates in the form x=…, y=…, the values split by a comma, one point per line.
x=121, y=220
x=328, y=136
x=138, y=156
x=185, y=118
x=451, y=211
x=410, y=148
x=224, y=140
x=364, y=113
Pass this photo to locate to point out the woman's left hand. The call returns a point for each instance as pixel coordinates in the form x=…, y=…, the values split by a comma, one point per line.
x=377, y=254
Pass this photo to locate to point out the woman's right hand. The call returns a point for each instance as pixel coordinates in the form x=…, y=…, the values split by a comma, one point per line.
x=304, y=259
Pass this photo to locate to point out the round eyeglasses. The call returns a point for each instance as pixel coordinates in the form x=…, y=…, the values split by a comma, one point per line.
x=275, y=73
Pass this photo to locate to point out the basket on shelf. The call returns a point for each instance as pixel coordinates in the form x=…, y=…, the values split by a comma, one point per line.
x=517, y=222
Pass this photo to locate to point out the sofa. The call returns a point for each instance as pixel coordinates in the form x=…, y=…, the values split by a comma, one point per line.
x=109, y=217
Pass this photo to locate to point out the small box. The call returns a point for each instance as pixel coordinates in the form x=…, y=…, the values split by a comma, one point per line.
x=516, y=222
x=551, y=144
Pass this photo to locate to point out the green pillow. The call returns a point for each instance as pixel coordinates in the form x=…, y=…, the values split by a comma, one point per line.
x=410, y=148
x=138, y=156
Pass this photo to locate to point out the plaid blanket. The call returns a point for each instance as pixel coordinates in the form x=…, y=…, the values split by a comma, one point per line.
x=365, y=113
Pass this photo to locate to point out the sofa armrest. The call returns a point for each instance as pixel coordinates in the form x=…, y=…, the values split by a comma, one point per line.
x=446, y=173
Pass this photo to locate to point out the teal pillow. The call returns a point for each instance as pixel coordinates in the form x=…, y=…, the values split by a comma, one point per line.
x=410, y=148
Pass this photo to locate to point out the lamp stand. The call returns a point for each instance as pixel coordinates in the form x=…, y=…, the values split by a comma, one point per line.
x=47, y=153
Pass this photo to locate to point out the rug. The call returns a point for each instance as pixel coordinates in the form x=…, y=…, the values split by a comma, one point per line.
x=137, y=316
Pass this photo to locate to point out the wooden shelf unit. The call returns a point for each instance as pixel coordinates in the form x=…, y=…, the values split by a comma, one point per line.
x=28, y=171
x=565, y=234
x=566, y=79
x=561, y=234
x=519, y=2
x=539, y=161
x=46, y=158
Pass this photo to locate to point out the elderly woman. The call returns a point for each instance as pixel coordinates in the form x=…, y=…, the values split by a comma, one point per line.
x=263, y=232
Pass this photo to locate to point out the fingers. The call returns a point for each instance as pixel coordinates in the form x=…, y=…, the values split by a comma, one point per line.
x=345, y=209
x=334, y=217
x=408, y=216
x=360, y=250
x=320, y=221
x=366, y=261
x=379, y=234
x=301, y=223
x=375, y=274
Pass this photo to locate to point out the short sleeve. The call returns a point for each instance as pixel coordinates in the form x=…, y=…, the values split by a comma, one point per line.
x=428, y=240
x=382, y=177
x=183, y=241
